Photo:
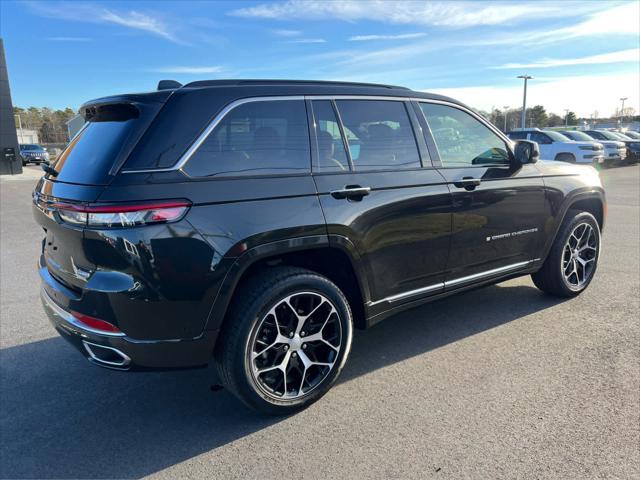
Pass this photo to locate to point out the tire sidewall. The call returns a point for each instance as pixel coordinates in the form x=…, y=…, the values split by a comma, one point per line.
x=261, y=306
x=577, y=219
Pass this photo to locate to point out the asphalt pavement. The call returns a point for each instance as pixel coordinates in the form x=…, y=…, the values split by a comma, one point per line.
x=500, y=382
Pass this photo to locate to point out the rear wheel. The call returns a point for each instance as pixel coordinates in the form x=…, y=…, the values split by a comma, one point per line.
x=285, y=340
x=573, y=259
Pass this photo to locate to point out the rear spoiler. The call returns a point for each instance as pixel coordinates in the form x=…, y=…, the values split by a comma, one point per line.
x=168, y=85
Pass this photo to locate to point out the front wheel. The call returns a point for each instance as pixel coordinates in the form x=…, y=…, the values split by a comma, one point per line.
x=573, y=259
x=285, y=340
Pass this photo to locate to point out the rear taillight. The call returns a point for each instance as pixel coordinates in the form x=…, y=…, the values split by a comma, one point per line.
x=122, y=215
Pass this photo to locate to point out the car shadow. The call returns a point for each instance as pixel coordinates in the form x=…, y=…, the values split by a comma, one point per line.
x=64, y=418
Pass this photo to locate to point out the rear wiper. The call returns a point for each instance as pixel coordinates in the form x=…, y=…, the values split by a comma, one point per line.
x=49, y=169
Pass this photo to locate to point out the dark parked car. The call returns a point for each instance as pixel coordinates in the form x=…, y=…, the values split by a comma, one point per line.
x=32, y=153
x=633, y=146
x=257, y=223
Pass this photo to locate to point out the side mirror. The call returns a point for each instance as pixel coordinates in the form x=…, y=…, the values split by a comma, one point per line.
x=526, y=151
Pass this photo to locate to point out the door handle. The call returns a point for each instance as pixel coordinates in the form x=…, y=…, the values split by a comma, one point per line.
x=355, y=192
x=468, y=183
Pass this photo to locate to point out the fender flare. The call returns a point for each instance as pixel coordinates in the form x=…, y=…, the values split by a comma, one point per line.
x=569, y=201
x=235, y=272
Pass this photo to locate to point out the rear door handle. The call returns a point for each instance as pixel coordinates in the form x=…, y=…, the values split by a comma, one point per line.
x=355, y=192
x=468, y=183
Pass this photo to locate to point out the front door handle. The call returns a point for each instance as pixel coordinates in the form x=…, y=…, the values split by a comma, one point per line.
x=468, y=183
x=355, y=192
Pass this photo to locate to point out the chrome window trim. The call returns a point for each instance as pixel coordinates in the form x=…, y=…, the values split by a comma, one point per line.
x=453, y=283
x=186, y=156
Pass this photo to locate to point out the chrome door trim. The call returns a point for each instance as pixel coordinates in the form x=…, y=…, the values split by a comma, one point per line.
x=410, y=293
x=453, y=283
x=488, y=273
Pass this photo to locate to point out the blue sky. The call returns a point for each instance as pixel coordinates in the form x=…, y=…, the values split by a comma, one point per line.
x=584, y=55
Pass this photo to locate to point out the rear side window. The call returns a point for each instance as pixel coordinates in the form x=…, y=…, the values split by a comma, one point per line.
x=462, y=140
x=332, y=156
x=256, y=138
x=540, y=138
x=518, y=135
x=379, y=134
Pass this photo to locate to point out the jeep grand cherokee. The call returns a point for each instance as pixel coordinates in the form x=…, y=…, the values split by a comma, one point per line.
x=257, y=223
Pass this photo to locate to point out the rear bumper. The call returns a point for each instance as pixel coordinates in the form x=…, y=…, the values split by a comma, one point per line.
x=121, y=352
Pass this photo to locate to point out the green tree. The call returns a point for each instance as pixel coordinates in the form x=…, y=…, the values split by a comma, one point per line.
x=571, y=119
x=554, y=120
x=537, y=116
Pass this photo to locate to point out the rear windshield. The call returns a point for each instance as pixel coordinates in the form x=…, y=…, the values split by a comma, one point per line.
x=105, y=140
x=31, y=147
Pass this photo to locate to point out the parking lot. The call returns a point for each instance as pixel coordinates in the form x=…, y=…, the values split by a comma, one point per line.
x=498, y=382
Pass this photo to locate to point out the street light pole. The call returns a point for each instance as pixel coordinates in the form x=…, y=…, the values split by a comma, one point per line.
x=566, y=117
x=622, y=110
x=505, y=117
x=524, y=100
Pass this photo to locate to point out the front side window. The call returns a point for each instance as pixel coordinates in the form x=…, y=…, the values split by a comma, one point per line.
x=332, y=156
x=461, y=139
x=379, y=134
x=256, y=138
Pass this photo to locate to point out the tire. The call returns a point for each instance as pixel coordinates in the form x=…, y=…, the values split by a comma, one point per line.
x=563, y=274
x=256, y=337
x=565, y=157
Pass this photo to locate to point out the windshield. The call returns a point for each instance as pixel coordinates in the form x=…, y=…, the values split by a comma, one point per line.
x=580, y=136
x=633, y=135
x=621, y=136
x=608, y=135
x=557, y=137
x=31, y=147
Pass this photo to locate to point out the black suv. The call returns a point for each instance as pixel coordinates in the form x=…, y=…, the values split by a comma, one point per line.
x=256, y=223
x=32, y=153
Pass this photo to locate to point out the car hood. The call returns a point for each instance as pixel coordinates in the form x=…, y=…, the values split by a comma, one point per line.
x=611, y=143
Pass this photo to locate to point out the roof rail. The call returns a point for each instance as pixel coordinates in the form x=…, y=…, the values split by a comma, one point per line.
x=214, y=83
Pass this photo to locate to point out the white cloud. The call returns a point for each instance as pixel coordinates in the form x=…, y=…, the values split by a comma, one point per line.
x=70, y=39
x=581, y=94
x=440, y=13
x=188, y=70
x=308, y=40
x=286, y=33
x=630, y=55
x=93, y=13
x=402, y=36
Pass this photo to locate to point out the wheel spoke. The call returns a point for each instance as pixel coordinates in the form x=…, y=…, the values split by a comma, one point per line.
x=579, y=254
x=302, y=360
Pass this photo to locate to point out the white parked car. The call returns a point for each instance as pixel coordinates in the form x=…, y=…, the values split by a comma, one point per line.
x=555, y=146
x=614, y=151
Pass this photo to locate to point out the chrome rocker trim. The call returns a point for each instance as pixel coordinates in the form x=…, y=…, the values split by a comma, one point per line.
x=452, y=283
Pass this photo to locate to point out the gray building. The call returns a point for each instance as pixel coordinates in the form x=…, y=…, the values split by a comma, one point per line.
x=9, y=154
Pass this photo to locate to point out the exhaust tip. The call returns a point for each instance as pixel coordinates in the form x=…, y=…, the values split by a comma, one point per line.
x=106, y=356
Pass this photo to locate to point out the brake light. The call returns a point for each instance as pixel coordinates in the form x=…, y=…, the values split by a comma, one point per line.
x=96, y=323
x=109, y=216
